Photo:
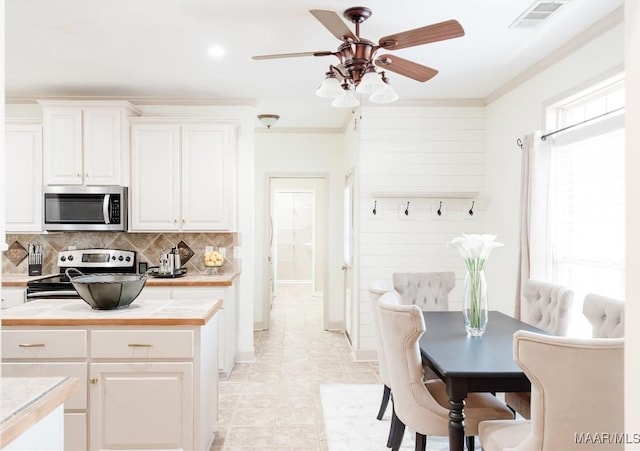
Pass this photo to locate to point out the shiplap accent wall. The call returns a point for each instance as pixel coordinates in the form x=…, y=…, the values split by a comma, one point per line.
x=406, y=154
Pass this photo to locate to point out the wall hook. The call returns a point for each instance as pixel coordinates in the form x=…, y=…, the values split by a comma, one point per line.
x=406, y=210
x=439, y=209
x=471, y=209
x=375, y=204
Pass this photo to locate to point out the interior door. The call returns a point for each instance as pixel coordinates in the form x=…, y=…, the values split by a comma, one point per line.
x=347, y=266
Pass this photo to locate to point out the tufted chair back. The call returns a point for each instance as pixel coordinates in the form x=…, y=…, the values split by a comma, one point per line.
x=427, y=290
x=606, y=315
x=577, y=386
x=549, y=306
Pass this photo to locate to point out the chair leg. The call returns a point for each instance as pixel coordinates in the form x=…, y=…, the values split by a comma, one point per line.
x=392, y=430
x=470, y=443
x=397, y=433
x=421, y=442
x=385, y=401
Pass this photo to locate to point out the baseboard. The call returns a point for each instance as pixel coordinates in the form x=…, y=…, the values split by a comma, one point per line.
x=245, y=357
x=364, y=355
x=335, y=325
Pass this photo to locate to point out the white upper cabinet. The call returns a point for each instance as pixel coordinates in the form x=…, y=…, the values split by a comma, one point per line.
x=23, y=175
x=183, y=175
x=86, y=143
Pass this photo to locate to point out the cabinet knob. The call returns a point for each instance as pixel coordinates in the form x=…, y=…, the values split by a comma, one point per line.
x=87, y=175
x=183, y=221
x=78, y=175
x=175, y=221
x=93, y=380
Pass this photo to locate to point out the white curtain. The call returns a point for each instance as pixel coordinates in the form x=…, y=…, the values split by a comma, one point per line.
x=533, y=213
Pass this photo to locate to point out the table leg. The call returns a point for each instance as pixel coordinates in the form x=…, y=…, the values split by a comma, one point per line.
x=456, y=424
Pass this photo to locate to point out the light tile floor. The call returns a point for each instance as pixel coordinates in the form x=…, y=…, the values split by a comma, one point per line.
x=274, y=403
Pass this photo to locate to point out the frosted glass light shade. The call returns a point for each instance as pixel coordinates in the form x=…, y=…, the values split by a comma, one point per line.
x=329, y=88
x=384, y=95
x=370, y=83
x=346, y=100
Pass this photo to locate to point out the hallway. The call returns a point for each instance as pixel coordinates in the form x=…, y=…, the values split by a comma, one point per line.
x=274, y=403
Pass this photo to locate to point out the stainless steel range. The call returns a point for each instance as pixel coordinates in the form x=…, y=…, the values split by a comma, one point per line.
x=88, y=261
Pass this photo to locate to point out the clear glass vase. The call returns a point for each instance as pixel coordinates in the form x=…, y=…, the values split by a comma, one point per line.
x=475, y=303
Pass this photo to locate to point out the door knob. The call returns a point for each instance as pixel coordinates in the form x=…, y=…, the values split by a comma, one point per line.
x=344, y=267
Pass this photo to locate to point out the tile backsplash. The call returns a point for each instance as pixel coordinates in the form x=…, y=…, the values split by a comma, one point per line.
x=147, y=245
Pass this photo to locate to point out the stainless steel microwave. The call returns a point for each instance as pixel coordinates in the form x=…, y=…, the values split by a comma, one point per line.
x=75, y=208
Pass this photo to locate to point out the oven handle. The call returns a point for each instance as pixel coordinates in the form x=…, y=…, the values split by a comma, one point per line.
x=105, y=208
x=52, y=294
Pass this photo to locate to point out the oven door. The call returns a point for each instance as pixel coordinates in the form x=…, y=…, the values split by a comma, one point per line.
x=52, y=294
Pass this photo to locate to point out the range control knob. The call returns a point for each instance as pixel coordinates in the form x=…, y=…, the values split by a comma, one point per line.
x=63, y=258
x=128, y=259
x=70, y=258
x=121, y=258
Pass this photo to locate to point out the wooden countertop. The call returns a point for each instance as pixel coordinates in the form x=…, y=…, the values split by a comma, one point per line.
x=26, y=400
x=190, y=280
x=142, y=312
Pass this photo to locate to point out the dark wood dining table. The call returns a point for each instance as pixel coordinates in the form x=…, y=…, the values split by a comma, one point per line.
x=472, y=364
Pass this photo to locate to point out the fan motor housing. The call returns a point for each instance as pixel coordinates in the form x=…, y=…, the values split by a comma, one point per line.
x=356, y=56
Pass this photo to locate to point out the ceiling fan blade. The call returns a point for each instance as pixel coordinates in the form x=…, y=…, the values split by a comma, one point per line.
x=405, y=67
x=332, y=22
x=431, y=33
x=290, y=55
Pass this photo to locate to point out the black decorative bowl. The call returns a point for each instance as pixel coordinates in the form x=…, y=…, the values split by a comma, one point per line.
x=107, y=291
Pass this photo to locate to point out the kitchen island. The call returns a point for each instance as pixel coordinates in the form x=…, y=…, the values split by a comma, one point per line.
x=31, y=411
x=148, y=373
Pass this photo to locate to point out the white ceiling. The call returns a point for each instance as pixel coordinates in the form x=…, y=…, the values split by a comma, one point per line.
x=157, y=49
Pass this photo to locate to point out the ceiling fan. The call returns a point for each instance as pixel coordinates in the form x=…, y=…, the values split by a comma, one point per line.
x=358, y=58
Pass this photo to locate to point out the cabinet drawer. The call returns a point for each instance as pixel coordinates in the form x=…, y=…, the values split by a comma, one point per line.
x=44, y=344
x=77, y=401
x=141, y=344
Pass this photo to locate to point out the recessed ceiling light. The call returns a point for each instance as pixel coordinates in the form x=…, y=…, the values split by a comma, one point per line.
x=216, y=51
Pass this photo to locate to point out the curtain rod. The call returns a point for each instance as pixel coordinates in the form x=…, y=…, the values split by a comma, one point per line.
x=543, y=137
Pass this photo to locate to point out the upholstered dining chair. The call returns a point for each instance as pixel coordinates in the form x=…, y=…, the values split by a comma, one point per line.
x=548, y=307
x=423, y=406
x=605, y=314
x=577, y=391
x=377, y=289
x=427, y=290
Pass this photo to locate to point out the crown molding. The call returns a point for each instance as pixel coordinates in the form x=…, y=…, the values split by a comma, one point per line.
x=137, y=100
x=607, y=23
x=298, y=130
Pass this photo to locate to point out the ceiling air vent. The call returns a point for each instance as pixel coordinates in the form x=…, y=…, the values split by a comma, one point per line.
x=537, y=13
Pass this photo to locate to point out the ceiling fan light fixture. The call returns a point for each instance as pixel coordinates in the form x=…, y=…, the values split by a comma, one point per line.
x=370, y=83
x=330, y=87
x=385, y=95
x=346, y=100
x=268, y=120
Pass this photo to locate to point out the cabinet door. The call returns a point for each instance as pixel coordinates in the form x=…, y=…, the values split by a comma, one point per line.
x=155, y=177
x=23, y=177
x=62, y=145
x=12, y=296
x=207, y=176
x=141, y=406
x=102, y=146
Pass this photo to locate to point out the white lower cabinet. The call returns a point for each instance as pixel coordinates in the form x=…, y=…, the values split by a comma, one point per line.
x=145, y=387
x=227, y=317
x=141, y=405
x=13, y=296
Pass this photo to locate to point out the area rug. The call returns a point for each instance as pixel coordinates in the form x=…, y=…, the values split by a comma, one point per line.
x=350, y=411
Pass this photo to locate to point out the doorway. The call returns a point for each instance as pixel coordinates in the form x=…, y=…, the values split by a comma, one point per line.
x=296, y=239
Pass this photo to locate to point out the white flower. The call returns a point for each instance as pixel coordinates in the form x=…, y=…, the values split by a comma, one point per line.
x=474, y=248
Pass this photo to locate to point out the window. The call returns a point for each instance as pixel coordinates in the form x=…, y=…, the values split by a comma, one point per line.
x=586, y=202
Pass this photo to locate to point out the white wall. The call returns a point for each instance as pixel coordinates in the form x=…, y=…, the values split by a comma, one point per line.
x=408, y=150
x=307, y=154
x=510, y=117
x=632, y=306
